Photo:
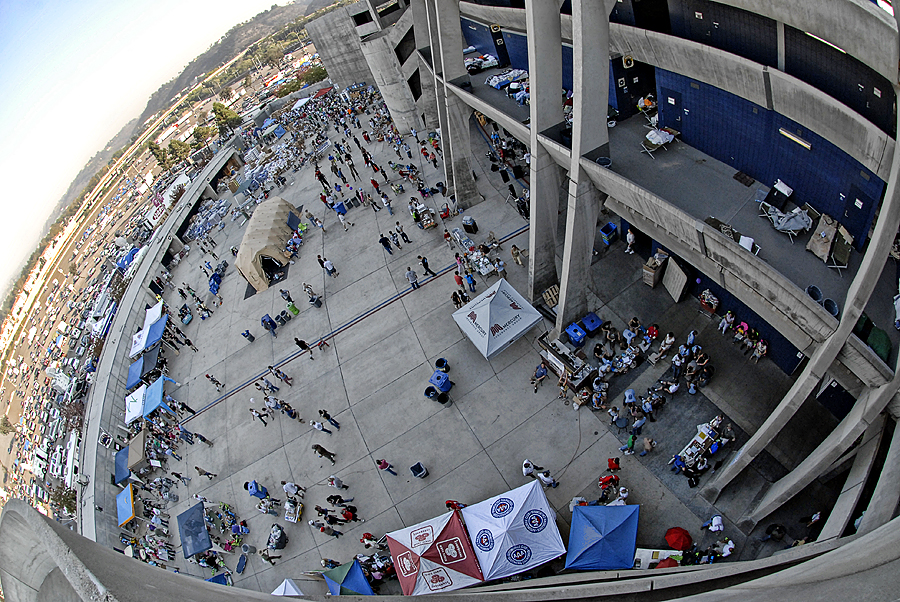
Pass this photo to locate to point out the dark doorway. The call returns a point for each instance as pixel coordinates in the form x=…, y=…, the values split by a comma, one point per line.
x=652, y=15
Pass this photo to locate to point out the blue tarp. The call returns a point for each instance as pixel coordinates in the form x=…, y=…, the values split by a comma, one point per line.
x=192, y=528
x=122, y=471
x=279, y=131
x=156, y=332
x=153, y=399
x=126, y=259
x=125, y=505
x=348, y=579
x=602, y=538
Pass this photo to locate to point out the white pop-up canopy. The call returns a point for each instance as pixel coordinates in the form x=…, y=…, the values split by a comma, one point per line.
x=139, y=340
x=134, y=404
x=496, y=318
x=514, y=531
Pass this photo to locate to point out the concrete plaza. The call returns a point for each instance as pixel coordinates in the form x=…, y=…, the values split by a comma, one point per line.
x=384, y=339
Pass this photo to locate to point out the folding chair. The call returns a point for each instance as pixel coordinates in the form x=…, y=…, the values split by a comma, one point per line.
x=650, y=148
x=840, y=251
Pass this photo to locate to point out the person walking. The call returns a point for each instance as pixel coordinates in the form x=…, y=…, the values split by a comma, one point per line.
x=396, y=240
x=412, y=277
x=286, y=295
x=319, y=426
x=386, y=466
x=402, y=234
x=281, y=376
x=203, y=439
x=470, y=280
x=323, y=453
x=338, y=501
x=423, y=261
x=547, y=480
x=258, y=415
x=326, y=416
x=329, y=530
x=337, y=483
x=214, y=381
x=386, y=243
x=292, y=489
x=304, y=347
x=344, y=221
x=205, y=473
x=458, y=279
x=184, y=480
x=528, y=468
x=516, y=254
x=329, y=267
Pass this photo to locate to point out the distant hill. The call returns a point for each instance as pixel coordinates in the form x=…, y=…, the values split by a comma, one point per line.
x=230, y=45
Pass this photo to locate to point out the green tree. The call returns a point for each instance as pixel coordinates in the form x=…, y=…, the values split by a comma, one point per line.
x=180, y=150
x=5, y=426
x=160, y=154
x=202, y=134
x=226, y=119
x=225, y=93
x=272, y=56
x=247, y=82
x=314, y=75
x=65, y=498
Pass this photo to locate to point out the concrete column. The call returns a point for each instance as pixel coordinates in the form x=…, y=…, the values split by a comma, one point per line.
x=426, y=102
x=456, y=140
x=887, y=491
x=373, y=10
x=779, y=32
x=439, y=90
x=865, y=411
x=210, y=192
x=857, y=297
x=590, y=137
x=545, y=72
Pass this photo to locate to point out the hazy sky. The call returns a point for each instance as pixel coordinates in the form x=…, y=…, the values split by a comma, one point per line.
x=72, y=74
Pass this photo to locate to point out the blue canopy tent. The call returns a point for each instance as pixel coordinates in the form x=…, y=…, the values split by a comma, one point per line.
x=155, y=333
x=192, y=529
x=348, y=579
x=221, y=579
x=126, y=259
x=125, y=505
x=122, y=471
x=602, y=538
x=153, y=398
x=141, y=367
x=134, y=374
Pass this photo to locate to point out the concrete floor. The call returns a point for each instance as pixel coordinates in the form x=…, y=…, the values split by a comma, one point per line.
x=373, y=375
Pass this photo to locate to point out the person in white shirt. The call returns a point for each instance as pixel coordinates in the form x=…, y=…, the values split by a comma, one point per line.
x=292, y=489
x=528, y=468
x=547, y=480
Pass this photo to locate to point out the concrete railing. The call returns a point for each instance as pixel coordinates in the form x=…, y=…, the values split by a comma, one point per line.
x=104, y=408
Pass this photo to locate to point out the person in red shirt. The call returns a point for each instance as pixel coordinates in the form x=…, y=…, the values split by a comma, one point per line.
x=458, y=278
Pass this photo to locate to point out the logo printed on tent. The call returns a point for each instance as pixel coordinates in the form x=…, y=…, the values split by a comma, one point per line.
x=535, y=521
x=519, y=554
x=484, y=540
x=502, y=507
x=422, y=537
x=437, y=579
x=451, y=550
x=407, y=565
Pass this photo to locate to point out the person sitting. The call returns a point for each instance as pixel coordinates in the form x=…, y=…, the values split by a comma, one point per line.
x=628, y=334
x=540, y=373
x=740, y=333
x=704, y=376
x=753, y=337
x=599, y=385
x=612, y=465
x=669, y=386
x=759, y=351
x=677, y=464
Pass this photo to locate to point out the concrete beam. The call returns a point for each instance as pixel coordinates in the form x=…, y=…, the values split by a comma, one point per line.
x=883, y=504
x=842, y=512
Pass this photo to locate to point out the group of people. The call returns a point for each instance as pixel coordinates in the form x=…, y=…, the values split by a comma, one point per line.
x=745, y=336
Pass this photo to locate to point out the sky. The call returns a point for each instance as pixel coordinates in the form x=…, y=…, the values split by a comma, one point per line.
x=73, y=74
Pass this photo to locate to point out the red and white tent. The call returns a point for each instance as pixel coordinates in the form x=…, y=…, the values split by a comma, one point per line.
x=434, y=556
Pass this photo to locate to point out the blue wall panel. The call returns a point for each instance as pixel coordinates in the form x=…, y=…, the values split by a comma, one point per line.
x=721, y=26
x=478, y=35
x=746, y=137
x=517, y=47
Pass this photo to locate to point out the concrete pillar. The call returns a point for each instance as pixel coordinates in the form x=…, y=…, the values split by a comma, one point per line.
x=887, y=491
x=545, y=72
x=386, y=69
x=426, y=103
x=590, y=137
x=439, y=90
x=373, y=10
x=857, y=297
x=456, y=140
x=865, y=411
x=210, y=192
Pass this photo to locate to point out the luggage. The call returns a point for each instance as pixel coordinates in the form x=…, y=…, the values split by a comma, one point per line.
x=277, y=538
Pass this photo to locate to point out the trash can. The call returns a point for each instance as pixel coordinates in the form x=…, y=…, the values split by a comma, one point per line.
x=279, y=319
x=469, y=225
x=248, y=549
x=293, y=308
x=832, y=307
x=444, y=400
x=431, y=392
x=286, y=315
x=576, y=334
x=441, y=381
x=815, y=293
x=418, y=470
x=442, y=365
x=608, y=233
x=315, y=301
x=248, y=336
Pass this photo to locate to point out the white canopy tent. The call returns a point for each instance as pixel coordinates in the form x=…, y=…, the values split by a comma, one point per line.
x=300, y=103
x=496, y=318
x=287, y=588
x=134, y=404
x=139, y=340
x=514, y=531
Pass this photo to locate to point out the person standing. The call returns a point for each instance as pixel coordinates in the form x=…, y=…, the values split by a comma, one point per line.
x=448, y=238
x=470, y=280
x=204, y=473
x=629, y=238
x=286, y=295
x=528, y=468
x=386, y=243
x=423, y=261
x=292, y=489
x=412, y=277
x=547, y=480
x=402, y=234
x=304, y=347
x=501, y=268
x=458, y=279
x=386, y=200
x=323, y=453
x=415, y=134
x=214, y=381
x=386, y=466
x=256, y=490
x=337, y=483
x=326, y=416
x=184, y=480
